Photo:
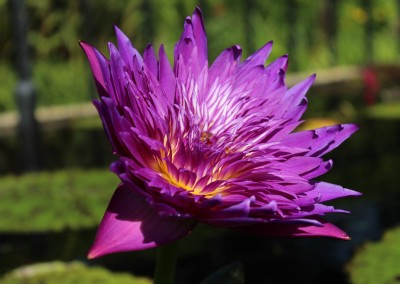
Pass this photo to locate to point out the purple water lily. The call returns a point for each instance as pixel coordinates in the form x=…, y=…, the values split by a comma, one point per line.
x=211, y=144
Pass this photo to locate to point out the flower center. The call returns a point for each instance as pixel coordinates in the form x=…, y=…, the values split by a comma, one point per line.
x=206, y=137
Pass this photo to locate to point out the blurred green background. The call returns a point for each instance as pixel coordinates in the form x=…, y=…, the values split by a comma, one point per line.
x=316, y=34
x=51, y=215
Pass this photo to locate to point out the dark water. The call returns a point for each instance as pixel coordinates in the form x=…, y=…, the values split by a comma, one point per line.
x=368, y=162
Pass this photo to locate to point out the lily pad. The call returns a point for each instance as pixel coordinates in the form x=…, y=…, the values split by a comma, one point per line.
x=377, y=262
x=58, y=272
x=54, y=201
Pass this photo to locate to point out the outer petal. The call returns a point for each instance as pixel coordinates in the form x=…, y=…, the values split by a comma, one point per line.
x=97, y=63
x=294, y=102
x=321, y=140
x=128, y=52
x=166, y=76
x=150, y=60
x=131, y=224
x=192, y=46
x=257, y=58
x=225, y=64
x=325, y=191
x=200, y=35
x=295, y=229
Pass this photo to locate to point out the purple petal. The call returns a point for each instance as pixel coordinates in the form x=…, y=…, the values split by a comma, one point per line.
x=295, y=229
x=300, y=165
x=239, y=210
x=324, y=191
x=150, y=60
x=225, y=64
x=118, y=77
x=294, y=102
x=257, y=58
x=97, y=63
x=200, y=36
x=321, y=140
x=112, y=122
x=166, y=76
x=280, y=63
x=131, y=224
x=127, y=51
x=322, y=169
x=192, y=46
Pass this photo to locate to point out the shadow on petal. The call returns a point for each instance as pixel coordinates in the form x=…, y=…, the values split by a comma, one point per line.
x=131, y=224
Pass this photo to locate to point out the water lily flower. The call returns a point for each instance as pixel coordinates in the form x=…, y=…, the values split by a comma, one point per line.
x=214, y=144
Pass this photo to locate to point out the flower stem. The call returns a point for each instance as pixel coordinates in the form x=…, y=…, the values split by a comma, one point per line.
x=165, y=265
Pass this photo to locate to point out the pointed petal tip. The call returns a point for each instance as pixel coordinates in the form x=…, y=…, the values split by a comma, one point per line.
x=97, y=251
x=310, y=80
x=352, y=127
x=84, y=45
x=197, y=13
x=351, y=192
x=197, y=10
x=120, y=34
x=161, y=48
x=117, y=29
x=92, y=254
x=268, y=45
x=313, y=76
x=344, y=237
x=148, y=46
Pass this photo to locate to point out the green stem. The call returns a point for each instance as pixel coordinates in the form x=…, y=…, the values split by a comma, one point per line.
x=166, y=262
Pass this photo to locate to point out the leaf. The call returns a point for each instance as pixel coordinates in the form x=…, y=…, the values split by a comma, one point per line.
x=377, y=262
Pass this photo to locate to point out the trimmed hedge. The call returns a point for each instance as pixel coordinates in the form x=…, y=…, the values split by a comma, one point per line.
x=58, y=272
x=53, y=201
x=377, y=262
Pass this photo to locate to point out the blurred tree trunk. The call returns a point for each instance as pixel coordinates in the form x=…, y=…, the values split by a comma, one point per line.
x=25, y=92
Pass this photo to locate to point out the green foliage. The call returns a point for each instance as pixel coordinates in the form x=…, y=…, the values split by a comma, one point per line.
x=62, y=82
x=56, y=26
x=68, y=273
x=58, y=82
x=7, y=83
x=53, y=201
x=378, y=262
x=300, y=27
x=52, y=35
